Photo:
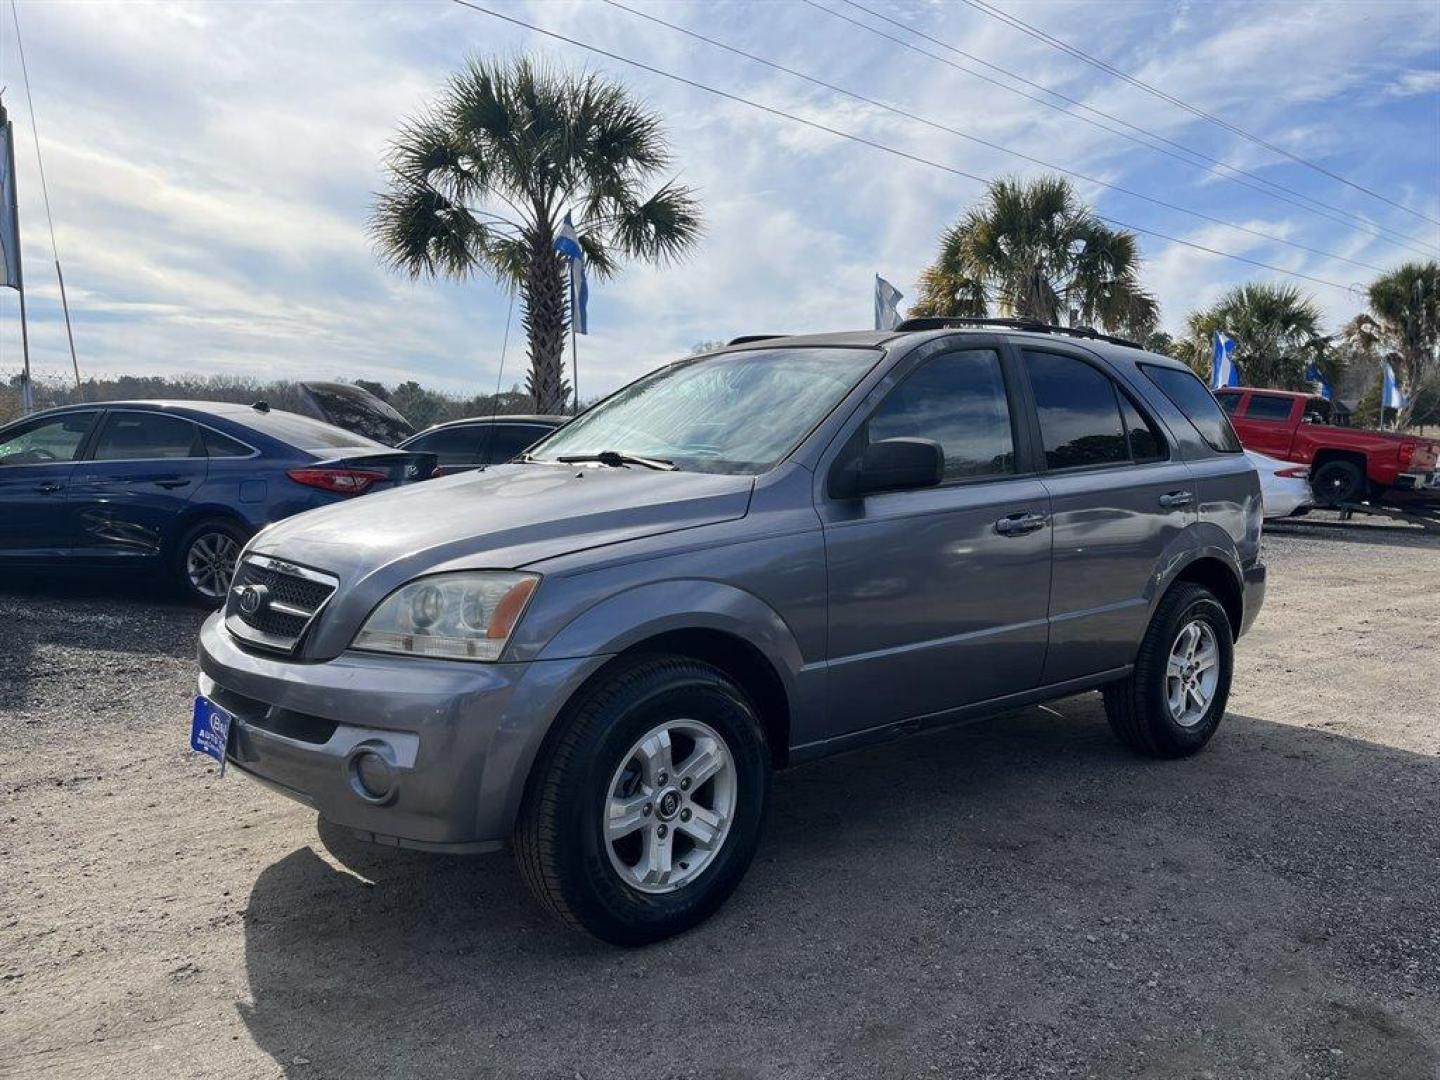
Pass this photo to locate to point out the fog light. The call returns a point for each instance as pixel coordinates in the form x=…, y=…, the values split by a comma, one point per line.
x=372, y=776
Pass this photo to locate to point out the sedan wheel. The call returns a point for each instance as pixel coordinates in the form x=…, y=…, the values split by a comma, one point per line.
x=210, y=564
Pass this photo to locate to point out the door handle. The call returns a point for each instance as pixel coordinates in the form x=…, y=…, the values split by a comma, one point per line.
x=49, y=487
x=1020, y=524
x=172, y=483
x=1172, y=499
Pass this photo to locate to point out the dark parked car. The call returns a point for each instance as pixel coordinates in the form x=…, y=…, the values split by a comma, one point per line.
x=747, y=559
x=461, y=445
x=174, y=486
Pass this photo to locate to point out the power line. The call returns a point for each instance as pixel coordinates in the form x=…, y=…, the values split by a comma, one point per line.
x=1212, y=165
x=986, y=142
x=862, y=140
x=1054, y=42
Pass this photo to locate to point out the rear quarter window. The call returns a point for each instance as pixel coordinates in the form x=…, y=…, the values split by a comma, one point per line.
x=1192, y=398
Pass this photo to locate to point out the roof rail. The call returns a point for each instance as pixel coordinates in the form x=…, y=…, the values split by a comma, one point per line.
x=745, y=339
x=957, y=322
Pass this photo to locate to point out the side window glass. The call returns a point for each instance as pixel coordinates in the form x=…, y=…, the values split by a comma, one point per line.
x=222, y=446
x=1079, y=415
x=139, y=436
x=507, y=440
x=957, y=399
x=1193, y=398
x=44, y=441
x=451, y=446
x=1268, y=407
x=1146, y=443
x=1228, y=402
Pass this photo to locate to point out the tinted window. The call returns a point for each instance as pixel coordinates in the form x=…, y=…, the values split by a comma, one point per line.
x=957, y=399
x=504, y=441
x=451, y=446
x=1146, y=443
x=140, y=436
x=1079, y=415
x=217, y=445
x=42, y=441
x=1228, y=402
x=1197, y=403
x=304, y=432
x=1267, y=407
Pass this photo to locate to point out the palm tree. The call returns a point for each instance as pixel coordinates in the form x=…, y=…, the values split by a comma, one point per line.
x=1404, y=323
x=1034, y=250
x=480, y=182
x=1276, y=330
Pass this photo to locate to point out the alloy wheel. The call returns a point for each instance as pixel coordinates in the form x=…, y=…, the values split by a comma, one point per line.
x=669, y=806
x=1192, y=673
x=210, y=564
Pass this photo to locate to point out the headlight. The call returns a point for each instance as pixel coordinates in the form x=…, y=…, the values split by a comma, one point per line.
x=461, y=616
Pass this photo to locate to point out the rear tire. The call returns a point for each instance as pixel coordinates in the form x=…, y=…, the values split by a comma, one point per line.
x=205, y=559
x=1338, y=482
x=597, y=866
x=1172, y=702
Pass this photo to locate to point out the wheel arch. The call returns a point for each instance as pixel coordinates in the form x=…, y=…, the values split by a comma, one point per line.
x=1221, y=578
x=194, y=515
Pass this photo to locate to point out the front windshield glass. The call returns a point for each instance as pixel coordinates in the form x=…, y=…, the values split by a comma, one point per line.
x=738, y=412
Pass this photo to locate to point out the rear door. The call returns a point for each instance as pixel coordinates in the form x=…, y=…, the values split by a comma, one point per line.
x=1269, y=423
x=938, y=596
x=142, y=470
x=1118, y=499
x=37, y=463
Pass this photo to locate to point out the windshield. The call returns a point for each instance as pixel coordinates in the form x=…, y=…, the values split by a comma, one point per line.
x=738, y=412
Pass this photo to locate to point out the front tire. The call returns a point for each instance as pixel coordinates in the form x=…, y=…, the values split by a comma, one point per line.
x=1173, y=700
x=646, y=805
x=205, y=561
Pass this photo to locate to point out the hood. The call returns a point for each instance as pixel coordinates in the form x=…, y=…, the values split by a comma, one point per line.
x=503, y=517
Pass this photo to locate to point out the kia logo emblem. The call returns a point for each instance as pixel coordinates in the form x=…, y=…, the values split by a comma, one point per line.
x=251, y=598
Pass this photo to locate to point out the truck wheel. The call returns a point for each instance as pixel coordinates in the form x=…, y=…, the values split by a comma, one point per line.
x=645, y=808
x=1173, y=700
x=205, y=560
x=1338, y=482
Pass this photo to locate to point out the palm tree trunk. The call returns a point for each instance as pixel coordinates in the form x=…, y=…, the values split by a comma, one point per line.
x=546, y=317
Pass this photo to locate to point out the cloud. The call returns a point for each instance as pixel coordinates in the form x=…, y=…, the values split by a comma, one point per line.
x=212, y=168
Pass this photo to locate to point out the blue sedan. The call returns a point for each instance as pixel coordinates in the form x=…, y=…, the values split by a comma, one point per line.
x=174, y=486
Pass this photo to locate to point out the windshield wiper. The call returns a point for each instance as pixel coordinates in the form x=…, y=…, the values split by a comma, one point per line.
x=618, y=460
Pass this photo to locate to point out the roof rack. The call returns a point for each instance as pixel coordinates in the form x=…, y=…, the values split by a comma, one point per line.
x=956, y=322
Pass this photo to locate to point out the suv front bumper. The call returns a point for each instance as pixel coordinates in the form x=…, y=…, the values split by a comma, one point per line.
x=457, y=739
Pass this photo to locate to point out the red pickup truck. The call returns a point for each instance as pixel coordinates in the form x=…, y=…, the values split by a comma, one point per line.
x=1346, y=464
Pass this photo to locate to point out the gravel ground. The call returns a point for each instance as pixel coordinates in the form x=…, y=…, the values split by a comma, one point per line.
x=1018, y=898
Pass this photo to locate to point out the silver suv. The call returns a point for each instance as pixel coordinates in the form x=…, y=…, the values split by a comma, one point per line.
x=759, y=556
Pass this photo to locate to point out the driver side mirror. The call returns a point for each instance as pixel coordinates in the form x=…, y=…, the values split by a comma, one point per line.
x=891, y=465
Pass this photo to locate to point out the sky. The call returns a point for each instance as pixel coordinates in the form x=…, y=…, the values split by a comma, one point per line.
x=212, y=166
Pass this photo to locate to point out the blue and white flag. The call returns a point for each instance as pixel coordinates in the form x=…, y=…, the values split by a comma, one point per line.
x=10, y=276
x=1223, y=369
x=1314, y=375
x=1390, y=395
x=887, y=299
x=568, y=244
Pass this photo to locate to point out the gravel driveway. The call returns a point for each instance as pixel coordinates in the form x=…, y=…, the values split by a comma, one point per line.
x=1018, y=898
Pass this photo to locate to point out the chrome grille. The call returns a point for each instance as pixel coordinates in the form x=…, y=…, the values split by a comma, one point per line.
x=287, y=598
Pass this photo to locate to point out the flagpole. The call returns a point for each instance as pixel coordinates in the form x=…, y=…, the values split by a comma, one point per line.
x=574, y=349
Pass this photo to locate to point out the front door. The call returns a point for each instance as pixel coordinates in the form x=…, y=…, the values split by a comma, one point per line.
x=37, y=461
x=143, y=470
x=1117, y=501
x=938, y=596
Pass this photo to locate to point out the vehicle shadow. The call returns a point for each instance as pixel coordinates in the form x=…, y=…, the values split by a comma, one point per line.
x=1356, y=531
x=58, y=622
x=1017, y=898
